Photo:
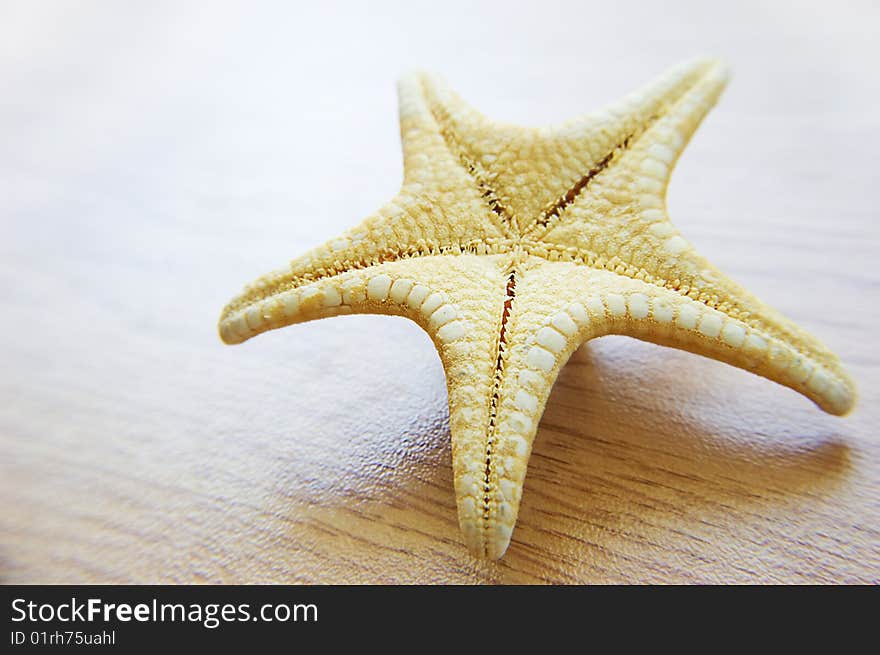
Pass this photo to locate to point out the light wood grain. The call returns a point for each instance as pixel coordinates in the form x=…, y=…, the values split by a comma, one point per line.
x=155, y=159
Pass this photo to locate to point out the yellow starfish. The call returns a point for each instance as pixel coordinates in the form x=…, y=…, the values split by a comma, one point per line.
x=512, y=246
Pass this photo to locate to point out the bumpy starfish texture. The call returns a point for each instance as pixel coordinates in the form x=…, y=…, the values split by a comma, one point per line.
x=512, y=246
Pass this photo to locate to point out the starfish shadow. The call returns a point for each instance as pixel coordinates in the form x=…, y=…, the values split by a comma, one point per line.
x=638, y=445
x=650, y=454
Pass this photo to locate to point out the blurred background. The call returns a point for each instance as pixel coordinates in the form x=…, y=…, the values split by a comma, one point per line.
x=156, y=156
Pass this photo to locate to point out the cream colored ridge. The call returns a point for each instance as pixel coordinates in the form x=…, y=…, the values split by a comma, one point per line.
x=512, y=246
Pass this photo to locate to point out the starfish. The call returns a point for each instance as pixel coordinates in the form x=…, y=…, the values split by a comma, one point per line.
x=512, y=246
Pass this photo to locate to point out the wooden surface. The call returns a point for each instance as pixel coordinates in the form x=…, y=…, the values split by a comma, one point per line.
x=154, y=160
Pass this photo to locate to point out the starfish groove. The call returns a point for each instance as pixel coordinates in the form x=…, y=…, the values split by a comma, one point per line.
x=512, y=246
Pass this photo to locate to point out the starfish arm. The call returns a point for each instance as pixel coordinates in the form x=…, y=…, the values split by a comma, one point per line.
x=758, y=339
x=788, y=354
x=661, y=99
x=617, y=209
x=618, y=304
x=315, y=284
x=439, y=165
x=540, y=327
x=595, y=158
x=462, y=302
